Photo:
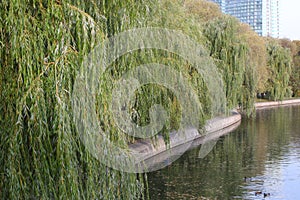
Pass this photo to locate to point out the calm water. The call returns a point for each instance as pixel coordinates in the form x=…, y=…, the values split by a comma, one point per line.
x=265, y=150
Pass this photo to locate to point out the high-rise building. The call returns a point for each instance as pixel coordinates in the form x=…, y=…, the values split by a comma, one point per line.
x=271, y=18
x=262, y=15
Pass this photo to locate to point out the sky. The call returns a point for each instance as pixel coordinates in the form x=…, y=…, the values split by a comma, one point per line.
x=290, y=19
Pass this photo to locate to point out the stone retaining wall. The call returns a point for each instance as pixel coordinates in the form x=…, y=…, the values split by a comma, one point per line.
x=150, y=148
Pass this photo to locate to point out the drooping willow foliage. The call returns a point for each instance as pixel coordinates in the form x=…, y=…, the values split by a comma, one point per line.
x=42, y=46
x=295, y=75
x=231, y=56
x=279, y=62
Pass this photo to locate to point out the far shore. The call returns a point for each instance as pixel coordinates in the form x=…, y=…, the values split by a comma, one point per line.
x=270, y=104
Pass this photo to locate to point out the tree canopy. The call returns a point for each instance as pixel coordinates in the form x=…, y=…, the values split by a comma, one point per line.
x=42, y=47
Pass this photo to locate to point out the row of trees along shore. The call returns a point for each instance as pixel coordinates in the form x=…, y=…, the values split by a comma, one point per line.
x=42, y=46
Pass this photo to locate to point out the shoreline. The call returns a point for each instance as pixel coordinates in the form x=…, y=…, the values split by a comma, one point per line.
x=215, y=128
x=271, y=104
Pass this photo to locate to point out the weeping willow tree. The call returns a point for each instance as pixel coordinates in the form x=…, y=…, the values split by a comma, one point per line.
x=42, y=46
x=279, y=63
x=175, y=15
x=170, y=15
x=231, y=55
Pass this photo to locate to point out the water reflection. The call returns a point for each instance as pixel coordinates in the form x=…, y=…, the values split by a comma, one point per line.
x=266, y=151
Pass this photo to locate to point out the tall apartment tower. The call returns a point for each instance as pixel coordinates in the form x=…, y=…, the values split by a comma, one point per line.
x=262, y=15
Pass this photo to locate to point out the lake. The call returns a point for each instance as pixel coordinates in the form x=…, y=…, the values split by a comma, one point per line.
x=261, y=156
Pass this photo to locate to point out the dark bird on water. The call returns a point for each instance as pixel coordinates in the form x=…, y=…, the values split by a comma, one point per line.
x=266, y=195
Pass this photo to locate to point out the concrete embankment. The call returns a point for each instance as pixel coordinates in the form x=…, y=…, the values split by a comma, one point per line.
x=214, y=129
x=270, y=104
